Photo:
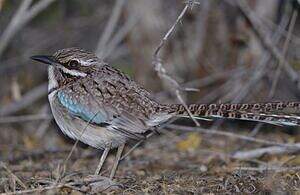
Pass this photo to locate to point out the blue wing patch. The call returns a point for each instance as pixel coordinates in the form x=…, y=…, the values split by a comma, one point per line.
x=77, y=109
x=120, y=125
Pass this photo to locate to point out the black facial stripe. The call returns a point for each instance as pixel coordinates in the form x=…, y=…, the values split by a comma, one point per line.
x=53, y=89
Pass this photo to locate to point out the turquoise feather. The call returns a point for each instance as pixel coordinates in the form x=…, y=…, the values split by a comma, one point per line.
x=79, y=110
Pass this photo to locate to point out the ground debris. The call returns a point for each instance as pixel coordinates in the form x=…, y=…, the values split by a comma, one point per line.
x=156, y=166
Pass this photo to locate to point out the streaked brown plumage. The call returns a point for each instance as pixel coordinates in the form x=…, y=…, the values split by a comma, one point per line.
x=83, y=89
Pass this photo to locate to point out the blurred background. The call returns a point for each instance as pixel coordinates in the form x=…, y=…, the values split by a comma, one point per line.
x=230, y=50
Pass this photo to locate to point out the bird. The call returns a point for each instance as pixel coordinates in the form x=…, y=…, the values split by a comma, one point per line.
x=103, y=107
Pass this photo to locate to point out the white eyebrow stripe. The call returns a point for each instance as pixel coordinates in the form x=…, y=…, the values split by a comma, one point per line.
x=85, y=63
x=68, y=71
x=72, y=72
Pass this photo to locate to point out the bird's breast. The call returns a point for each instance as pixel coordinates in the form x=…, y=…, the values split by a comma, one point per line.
x=64, y=111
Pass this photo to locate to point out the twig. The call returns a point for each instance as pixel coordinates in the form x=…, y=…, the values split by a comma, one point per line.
x=260, y=70
x=38, y=189
x=278, y=31
x=37, y=8
x=76, y=142
x=179, y=97
x=233, y=135
x=212, y=78
x=119, y=36
x=14, y=25
x=110, y=26
x=148, y=136
x=72, y=184
x=135, y=146
x=13, y=175
x=268, y=168
x=284, y=51
x=25, y=118
x=41, y=129
x=26, y=100
x=267, y=150
x=33, y=154
x=158, y=66
x=227, y=86
x=294, y=38
x=168, y=34
x=266, y=42
x=20, y=19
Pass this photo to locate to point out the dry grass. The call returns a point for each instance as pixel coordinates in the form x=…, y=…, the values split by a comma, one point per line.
x=158, y=166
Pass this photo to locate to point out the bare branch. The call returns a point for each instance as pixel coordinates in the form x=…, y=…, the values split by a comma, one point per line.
x=266, y=42
x=119, y=36
x=25, y=118
x=284, y=52
x=36, y=9
x=158, y=66
x=20, y=19
x=26, y=100
x=233, y=135
x=255, y=153
x=261, y=68
x=268, y=168
x=111, y=24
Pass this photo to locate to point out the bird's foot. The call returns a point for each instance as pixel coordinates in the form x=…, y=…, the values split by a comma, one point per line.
x=99, y=183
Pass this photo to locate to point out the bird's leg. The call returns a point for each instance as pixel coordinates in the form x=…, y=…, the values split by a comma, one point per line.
x=116, y=162
x=102, y=160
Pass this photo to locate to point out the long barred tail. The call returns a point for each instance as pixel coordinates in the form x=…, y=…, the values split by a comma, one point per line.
x=277, y=113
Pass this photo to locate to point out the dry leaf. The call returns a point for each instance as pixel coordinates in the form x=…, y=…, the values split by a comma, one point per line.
x=191, y=142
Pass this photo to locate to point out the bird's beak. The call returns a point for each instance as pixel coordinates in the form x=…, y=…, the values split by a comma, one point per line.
x=44, y=59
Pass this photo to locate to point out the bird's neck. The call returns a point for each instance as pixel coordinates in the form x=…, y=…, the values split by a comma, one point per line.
x=53, y=79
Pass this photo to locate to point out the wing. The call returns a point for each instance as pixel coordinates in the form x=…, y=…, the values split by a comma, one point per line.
x=110, y=101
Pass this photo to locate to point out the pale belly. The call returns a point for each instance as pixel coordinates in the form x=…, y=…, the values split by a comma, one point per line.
x=77, y=129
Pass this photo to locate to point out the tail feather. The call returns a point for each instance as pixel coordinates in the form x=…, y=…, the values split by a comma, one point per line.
x=259, y=112
x=274, y=119
x=261, y=107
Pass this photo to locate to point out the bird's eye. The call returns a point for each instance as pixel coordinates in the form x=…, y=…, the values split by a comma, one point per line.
x=73, y=63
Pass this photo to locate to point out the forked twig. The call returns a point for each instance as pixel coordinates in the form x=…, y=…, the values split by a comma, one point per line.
x=157, y=62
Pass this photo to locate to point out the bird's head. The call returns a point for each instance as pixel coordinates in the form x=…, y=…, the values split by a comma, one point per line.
x=68, y=64
x=71, y=61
